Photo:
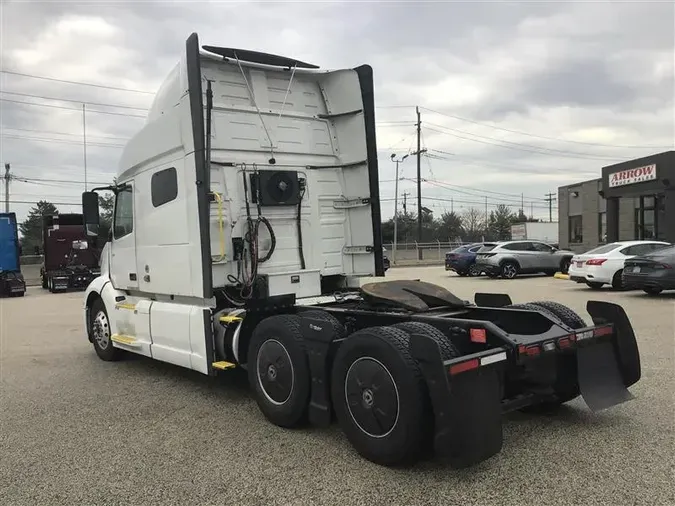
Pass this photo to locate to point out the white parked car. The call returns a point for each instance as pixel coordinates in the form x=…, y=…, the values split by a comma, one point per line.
x=604, y=265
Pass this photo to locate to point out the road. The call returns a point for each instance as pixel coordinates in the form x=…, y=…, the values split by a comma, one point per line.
x=76, y=430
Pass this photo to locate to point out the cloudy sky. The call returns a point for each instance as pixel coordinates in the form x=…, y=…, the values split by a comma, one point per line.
x=516, y=98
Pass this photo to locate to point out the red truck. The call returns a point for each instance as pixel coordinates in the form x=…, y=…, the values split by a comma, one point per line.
x=69, y=260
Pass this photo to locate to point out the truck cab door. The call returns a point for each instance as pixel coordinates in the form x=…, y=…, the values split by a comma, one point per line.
x=123, y=245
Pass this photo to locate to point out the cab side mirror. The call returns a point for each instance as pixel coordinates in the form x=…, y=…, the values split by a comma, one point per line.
x=91, y=215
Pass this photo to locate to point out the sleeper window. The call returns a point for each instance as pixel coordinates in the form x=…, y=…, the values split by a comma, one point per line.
x=164, y=186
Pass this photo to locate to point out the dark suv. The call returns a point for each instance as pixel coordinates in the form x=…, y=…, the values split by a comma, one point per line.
x=462, y=260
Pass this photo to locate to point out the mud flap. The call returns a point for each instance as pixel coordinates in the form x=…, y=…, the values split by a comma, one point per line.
x=600, y=379
x=623, y=339
x=467, y=406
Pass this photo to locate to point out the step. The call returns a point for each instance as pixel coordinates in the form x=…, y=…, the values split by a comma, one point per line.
x=222, y=365
x=125, y=340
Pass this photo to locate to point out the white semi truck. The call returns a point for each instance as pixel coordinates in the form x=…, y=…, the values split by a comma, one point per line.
x=246, y=216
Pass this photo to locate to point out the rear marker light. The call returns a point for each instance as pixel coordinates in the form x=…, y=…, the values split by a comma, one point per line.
x=521, y=349
x=602, y=331
x=464, y=366
x=478, y=335
x=564, y=343
x=532, y=350
x=550, y=346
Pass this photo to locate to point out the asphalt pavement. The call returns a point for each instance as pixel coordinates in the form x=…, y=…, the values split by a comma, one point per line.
x=76, y=430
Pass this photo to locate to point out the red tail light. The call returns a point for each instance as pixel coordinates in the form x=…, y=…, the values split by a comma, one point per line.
x=564, y=343
x=529, y=350
x=464, y=366
x=596, y=261
x=662, y=266
x=602, y=331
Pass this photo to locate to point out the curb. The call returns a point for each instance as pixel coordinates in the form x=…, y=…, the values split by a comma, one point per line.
x=560, y=275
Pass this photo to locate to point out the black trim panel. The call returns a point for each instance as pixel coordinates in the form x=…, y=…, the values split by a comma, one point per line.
x=208, y=335
x=365, y=73
x=194, y=75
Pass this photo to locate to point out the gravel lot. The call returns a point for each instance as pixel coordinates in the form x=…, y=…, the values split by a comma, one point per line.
x=76, y=430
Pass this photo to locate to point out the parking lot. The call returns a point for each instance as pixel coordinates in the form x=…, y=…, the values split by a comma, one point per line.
x=76, y=430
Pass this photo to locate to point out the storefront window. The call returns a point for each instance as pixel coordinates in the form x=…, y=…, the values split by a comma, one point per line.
x=602, y=228
x=575, y=229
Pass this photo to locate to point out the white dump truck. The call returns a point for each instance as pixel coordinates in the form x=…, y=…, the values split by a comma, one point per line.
x=246, y=217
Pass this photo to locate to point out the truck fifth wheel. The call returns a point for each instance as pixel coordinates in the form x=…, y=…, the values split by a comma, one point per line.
x=246, y=216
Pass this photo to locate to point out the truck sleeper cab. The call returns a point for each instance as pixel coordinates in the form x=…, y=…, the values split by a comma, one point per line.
x=246, y=212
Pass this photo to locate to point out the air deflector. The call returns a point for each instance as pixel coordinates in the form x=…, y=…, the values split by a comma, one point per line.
x=257, y=57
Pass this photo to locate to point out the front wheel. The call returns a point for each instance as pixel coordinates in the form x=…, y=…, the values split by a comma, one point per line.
x=474, y=271
x=101, y=333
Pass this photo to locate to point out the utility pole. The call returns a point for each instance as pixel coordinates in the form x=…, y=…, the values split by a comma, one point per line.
x=522, y=203
x=6, y=178
x=393, y=157
x=531, y=210
x=550, y=198
x=84, y=139
x=419, y=180
x=487, y=218
x=405, y=202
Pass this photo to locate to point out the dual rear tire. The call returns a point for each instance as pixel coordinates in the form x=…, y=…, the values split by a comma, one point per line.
x=378, y=393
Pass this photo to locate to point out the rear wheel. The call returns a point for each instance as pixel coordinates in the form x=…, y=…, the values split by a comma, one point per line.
x=380, y=397
x=474, y=271
x=448, y=350
x=509, y=270
x=565, y=265
x=594, y=285
x=617, y=280
x=652, y=290
x=566, y=386
x=278, y=370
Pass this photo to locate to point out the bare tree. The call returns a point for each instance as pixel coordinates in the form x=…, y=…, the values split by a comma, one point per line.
x=473, y=224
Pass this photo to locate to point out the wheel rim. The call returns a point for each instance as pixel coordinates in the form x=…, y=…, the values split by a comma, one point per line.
x=473, y=271
x=372, y=397
x=510, y=271
x=275, y=373
x=101, y=330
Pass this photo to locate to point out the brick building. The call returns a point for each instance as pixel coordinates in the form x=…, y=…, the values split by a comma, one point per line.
x=632, y=200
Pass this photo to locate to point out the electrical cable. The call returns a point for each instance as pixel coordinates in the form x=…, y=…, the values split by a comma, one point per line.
x=79, y=83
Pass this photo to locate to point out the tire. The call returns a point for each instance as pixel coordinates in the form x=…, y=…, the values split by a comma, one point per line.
x=374, y=368
x=652, y=290
x=562, y=312
x=509, y=270
x=278, y=370
x=566, y=387
x=462, y=273
x=50, y=284
x=44, y=281
x=448, y=350
x=594, y=286
x=338, y=328
x=492, y=275
x=565, y=265
x=474, y=271
x=617, y=280
x=100, y=333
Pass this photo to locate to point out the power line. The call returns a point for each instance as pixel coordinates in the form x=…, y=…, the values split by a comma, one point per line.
x=34, y=179
x=79, y=83
x=75, y=101
x=542, y=136
x=47, y=132
x=71, y=108
x=520, y=146
x=61, y=141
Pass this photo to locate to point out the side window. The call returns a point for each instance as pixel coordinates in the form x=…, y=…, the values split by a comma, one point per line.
x=541, y=247
x=163, y=186
x=516, y=246
x=475, y=249
x=124, y=213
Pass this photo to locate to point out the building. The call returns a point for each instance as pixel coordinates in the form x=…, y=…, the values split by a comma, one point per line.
x=631, y=200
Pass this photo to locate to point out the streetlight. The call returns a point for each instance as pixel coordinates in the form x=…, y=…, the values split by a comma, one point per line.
x=393, y=159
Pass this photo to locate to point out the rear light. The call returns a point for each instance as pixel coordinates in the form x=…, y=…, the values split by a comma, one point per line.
x=662, y=266
x=530, y=351
x=464, y=366
x=478, y=335
x=602, y=331
x=596, y=261
x=564, y=343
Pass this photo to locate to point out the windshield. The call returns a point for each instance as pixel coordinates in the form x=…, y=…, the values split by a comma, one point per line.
x=603, y=249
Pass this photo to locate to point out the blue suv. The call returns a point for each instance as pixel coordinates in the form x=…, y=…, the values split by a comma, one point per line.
x=462, y=260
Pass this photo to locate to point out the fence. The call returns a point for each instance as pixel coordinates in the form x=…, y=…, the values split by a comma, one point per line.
x=411, y=253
